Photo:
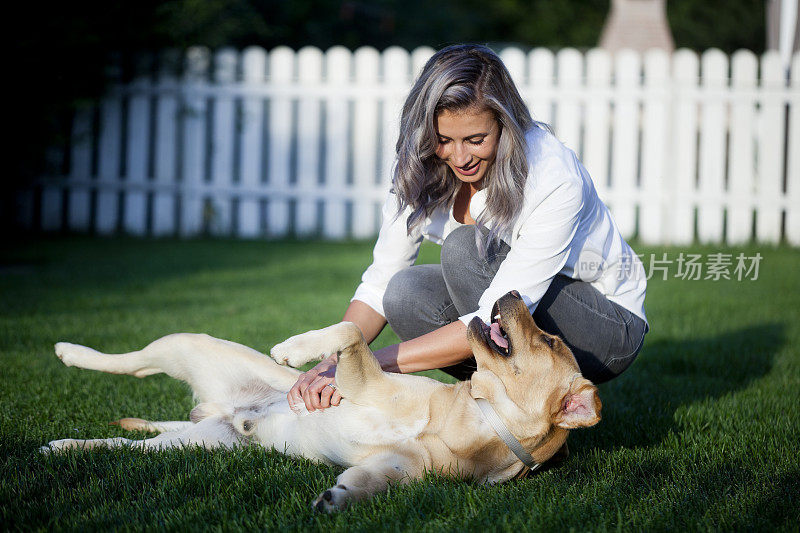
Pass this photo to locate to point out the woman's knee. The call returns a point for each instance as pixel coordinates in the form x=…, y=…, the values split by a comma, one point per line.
x=416, y=301
x=396, y=298
x=604, y=337
x=459, y=249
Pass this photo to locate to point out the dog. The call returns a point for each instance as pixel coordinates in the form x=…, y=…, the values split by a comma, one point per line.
x=388, y=428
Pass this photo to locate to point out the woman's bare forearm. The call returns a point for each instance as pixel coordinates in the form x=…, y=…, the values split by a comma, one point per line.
x=368, y=320
x=440, y=348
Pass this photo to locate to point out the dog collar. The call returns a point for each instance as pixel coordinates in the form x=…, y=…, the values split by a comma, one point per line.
x=502, y=431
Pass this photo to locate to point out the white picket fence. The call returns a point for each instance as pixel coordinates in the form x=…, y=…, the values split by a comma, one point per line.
x=254, y=144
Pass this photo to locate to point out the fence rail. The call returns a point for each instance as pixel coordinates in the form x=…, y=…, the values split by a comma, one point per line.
x=266, y=144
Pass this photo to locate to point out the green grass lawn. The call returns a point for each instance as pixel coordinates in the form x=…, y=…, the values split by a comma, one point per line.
x=700, y=433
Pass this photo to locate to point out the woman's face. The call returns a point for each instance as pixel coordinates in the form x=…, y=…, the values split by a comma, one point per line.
x=468, y=142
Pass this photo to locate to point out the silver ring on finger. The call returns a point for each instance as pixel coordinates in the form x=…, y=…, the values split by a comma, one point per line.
x=331, y=385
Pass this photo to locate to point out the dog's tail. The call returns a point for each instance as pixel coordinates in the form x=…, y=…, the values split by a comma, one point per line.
x=139, y=424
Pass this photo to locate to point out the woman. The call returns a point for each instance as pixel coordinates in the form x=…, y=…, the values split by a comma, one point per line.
x=513, y=210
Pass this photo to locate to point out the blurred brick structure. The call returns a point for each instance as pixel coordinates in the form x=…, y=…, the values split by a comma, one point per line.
x=638, y=25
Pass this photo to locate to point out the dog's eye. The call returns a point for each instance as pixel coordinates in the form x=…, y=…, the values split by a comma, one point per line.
x=548, y=340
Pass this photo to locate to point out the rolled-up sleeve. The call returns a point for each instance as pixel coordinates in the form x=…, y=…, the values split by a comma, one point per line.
x=544, y=241
x=394, y=250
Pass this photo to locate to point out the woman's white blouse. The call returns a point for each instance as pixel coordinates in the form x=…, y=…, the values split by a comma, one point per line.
x=562, y=228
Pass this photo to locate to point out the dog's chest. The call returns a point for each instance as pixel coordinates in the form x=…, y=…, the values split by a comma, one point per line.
x=339, y=435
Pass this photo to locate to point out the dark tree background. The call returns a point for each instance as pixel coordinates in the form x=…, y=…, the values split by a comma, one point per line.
x=60, y=50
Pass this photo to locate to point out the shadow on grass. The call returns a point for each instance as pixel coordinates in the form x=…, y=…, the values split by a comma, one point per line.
x=653, y=494
x=110, y=488
x=639, y=407
x=120, y=262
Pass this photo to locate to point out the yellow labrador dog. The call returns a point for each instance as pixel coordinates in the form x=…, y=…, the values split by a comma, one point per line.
x=517, y=409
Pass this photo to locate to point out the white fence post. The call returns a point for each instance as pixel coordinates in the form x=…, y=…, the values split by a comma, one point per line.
x=53, y=194
x=135, y=199
x=254, y=63
x=79, y=214
x=52, y=202
x=364, y=138
x=193, y=114
x=222, y=142
x=108, y=167
x=337, y=63
x=684, y=148
x=625, y=143
x=514, y=60
x=597, y=123
x=281, y=72
x=770, y=150
x=420, y=56
x=395, y=76
x=309, y=68
x=741, y=148
x=793, y=163
x=541, y=74
x=655, y=142
x=568, y=108
x=166, y=143
x=712, y=146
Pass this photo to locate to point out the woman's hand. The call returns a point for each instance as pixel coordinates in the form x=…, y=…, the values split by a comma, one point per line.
x=315, y=388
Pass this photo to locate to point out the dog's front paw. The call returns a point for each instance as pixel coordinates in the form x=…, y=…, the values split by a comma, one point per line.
x=300, y=349
x=289, y=352
x=332, y=500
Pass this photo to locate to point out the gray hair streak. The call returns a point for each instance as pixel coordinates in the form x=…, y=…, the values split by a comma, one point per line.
x=457, y=78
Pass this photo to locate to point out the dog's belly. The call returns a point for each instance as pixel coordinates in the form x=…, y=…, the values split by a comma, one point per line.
x=340, y=435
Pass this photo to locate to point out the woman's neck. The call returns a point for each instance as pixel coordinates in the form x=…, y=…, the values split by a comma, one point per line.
x=461, y=204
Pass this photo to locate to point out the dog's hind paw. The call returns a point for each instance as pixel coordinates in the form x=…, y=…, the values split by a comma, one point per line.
x=332, y=500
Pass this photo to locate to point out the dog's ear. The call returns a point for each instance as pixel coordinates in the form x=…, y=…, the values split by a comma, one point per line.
x=580, y=407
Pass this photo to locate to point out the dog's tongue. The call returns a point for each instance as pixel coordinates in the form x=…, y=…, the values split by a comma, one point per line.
x=497, y=337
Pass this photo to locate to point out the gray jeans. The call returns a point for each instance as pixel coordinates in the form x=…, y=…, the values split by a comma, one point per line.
x=604, y=336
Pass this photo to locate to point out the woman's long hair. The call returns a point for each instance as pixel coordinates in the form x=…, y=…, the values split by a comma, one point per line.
x=457, y=78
